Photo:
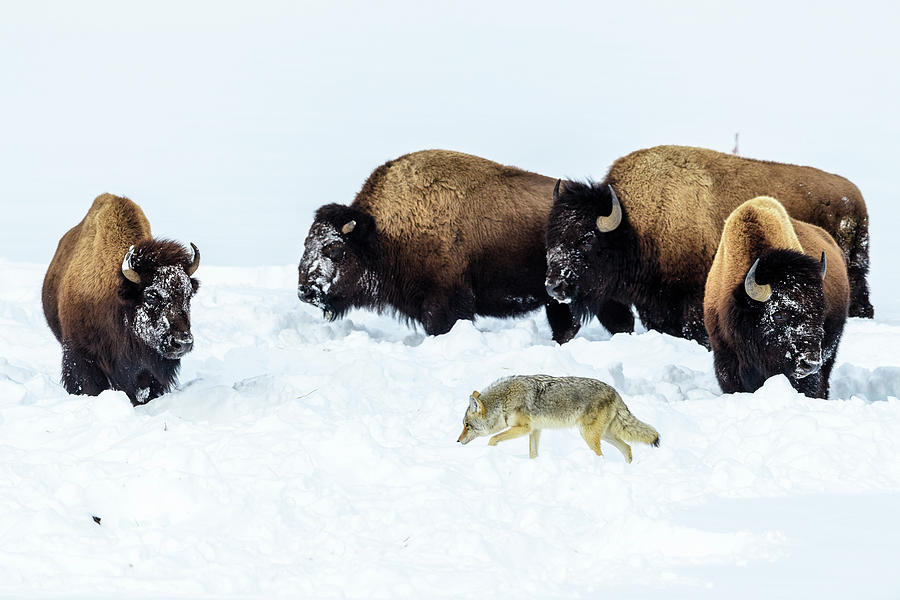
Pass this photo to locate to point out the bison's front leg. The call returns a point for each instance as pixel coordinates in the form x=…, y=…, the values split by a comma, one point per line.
x=144, y=389
x=562, y=323
x=80, y=372
x=616, y=317
x=808, y=386
x=692, y=326
x=857, y=268
x=834, y=328
x=727, y=370
x=441, y=311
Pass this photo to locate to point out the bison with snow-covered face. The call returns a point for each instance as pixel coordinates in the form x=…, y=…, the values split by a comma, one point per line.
x=647, y=234
x=119, y=303
x=436, y=236
x=776, y=300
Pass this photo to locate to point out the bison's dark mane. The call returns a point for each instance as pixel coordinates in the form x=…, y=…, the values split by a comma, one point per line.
x=581, y=202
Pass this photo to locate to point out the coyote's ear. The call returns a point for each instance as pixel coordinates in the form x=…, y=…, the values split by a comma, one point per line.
x=476, y=405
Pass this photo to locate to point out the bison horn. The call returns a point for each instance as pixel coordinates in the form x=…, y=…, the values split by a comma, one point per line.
x=556, y=190
x=348, y=227
x=760, y=293
x=610, y=222
x=824, y=264
x=195, y=261
x=127, y=270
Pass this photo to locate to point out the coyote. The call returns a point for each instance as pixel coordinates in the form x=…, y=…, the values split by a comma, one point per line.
x=528, y=403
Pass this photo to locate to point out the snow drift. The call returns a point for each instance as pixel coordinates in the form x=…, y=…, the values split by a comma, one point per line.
x=300, y=458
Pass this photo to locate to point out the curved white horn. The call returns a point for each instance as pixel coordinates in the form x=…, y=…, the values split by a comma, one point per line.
x=556, y=190
x=824, y=264
x=195, y=261
x=760, y=293
x=348, y=227
x=127, y=270
x=608, y=223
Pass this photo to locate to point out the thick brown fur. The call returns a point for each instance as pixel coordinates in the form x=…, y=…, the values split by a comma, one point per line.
x=88, y=302
x=676, y=199
x=445, y=236
x=746, y=351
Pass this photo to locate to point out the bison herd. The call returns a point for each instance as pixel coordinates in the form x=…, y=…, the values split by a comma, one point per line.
x=762, y=262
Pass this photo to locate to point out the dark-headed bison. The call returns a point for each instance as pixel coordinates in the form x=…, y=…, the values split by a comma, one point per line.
x=776, y=300
x=436, y=236
x=647, y=234
x=119, y=303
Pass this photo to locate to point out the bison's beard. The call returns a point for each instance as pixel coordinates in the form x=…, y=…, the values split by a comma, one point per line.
x=333, y=307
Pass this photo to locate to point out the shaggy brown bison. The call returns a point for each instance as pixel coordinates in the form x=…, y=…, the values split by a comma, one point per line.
x=119, y=303
x=646, y=235
x=776, y=300
x=436, y=236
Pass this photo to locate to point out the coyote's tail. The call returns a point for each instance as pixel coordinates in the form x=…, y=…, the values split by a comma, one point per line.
x=627, y=428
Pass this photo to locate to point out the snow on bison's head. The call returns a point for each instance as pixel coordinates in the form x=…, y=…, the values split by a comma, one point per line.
x=335, y=270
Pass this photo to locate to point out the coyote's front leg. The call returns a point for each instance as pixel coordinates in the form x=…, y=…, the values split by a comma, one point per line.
x=533, y=439
x=511, y=433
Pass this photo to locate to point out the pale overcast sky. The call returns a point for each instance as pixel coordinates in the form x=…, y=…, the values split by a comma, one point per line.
x=230, y=123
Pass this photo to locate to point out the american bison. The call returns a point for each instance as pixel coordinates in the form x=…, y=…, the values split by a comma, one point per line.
x=119, y=303
x=646, y=235
x=776, y=300
x=435, y=236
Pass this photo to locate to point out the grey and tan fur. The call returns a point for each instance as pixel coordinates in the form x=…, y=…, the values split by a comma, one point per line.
x=526, y=404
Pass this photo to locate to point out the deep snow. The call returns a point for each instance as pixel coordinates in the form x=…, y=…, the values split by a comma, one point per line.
x=300, y=458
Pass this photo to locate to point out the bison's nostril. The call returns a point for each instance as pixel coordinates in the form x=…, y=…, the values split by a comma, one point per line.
x=181, y=342
x=307, y=293
x=809, y=364
x=557, y=290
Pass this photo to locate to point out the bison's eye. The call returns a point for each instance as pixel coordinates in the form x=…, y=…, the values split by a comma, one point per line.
x=334, y=251
x=151, y=298
x=780, y=317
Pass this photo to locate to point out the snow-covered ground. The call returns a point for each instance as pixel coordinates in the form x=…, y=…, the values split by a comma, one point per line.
x=305, y=459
